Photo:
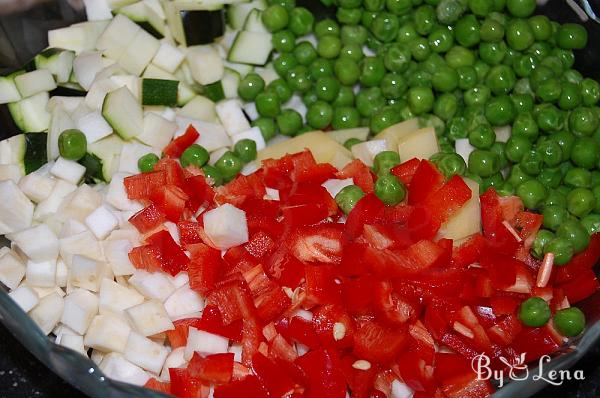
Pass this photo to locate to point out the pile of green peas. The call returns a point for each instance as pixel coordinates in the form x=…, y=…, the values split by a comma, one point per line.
x=535, y=312
x=225, y=169
x=466, y=67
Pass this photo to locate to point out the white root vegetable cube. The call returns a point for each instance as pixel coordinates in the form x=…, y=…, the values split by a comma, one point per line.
x=25, y=297
x=16, y=210
x=48, y=312
x=42, y=274
x=206, y=64
x=86, y=66
x=149, y=318
x=467, y=220
x=81, y=306
x=101, y=222
x=117, y=36
x=334, y=186
x=158, y=131
x=174, y=360
x=74, y=342
x=68, y=170
x=97, y=10
x=116, y=367
x=97, y=357
x=11, y=172
x=152, y=285
x=94, y=126
x=366, y=151
x=84, y=244
x=38, y=243
x=12, y=269
x=86, y=273
x=62, y=330
x=236, y=350
x=213, y=135
x=81, y=203
x=253, y=134
x=36, y=187
x=145, y=353
x=420, y=144
x=62, y=273
x=180, y=280
x=204, y=343
x=116, y=195
x=226, y=226
x=130, y=154
x=184, y=301
x=115, y=298
x=51, y=204
x=168, y=57
x=116, y=252
x=232, y=117
x=35, y=82
x=107, y=333
x=139, y=53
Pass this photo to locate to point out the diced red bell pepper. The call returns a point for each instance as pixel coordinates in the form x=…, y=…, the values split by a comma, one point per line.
x=480, y=339
x=171, y=200
x=269, y=299
x=174, y=174
x=260, y=245
x=307, y=194
x=302, y=331
x=178, y=336
x=321, y=287
x=422, y=341
x=276, y=173
x=280, y=348
x=286, y=269
x=505, y=331
x=450, y=365
x=272, y=377
x=581, y=287
x=510, y=206
x=416, y=258
x=212, y=322
x=528, y=224
x=198, y=192
x=467, y=386
x=324, y=319
x=233, y=300
x=318, y=243
x=422, y=224
x=415, y=372
x=181, y=143
x=360, y=381
x=504, y=305
x=141, y=186
x=217, y=368
x=304, y=214
x=146, y=257
x=448, y=199
x=317, y=174
x=366, y=211
x=323, y=375
x=188, y=233
x=173, y=259
x=406, y=171
x=536, y=342
x=252, y=339
x=159, y=386
x=148, y=219
x=357, y=294
x=248, y=387
x=360, y=173
x=460, y=345
x=391, y=308
x=377, y=343
x=426, y=181
x=469, y=251
x=206, y=268
x=243, y=188
x=353, y=260
x=185, y=386
x=502, y=269
x=500, y=238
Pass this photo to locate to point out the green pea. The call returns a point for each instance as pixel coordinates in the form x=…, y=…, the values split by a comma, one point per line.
x=347, y=71
x=491, y=30
x=267, y=127
x=147, y=162
x=456, y=128
x=555, y=198
x=519, y=35
x=407, y=33
x=554, y=216
x=348, y=197
x=390, y=190
x=570, y=321
x=566, y=141
x=451, y=164
x=275, y=18
x=353, y=16
x=500, y=110
x=583, y=121
x=319, y=115
x=384, y=161
x=578, y=178
x=267, y=104
x=372, y=70
x=284, y=41
x=541, y=240
x=481, y=8
x=369, y=101
x=523, y=103
x=532, y=192
x=541, y=27
x=570, y=75
x=213, y=175
x=420, y=100
x=549, y=117
x=482, y=137
x=384, y=118
x=550, y=177
x=329, y=46
x=445, y=106
x=524, y=126
x=441, y=39
x=350, y=142
x=581, y=202
x=590, y=92
x=433, y=63
x=245, y=150
x=501, y=79
x=345, y=97
x=298, y=79
x=483, y=163
x=467, y=31
x=289, y=122
x=287, y=4
x=419, y=49
x=570, y=96
x=534, y=312
x=301, y=21
x=540, y=74
x=492, y=53
x=444, y=79
x=345, y=117
x=591, y=223
x=567, y=58
x=459, y=56
x=229, y=165
x=575, y=233
x=352, y=51
x=305, y=53
x=467, y=77
x=385, y=27
x=284, y=63
x=585, y=153
x=397, y=58
x=194, y=155
x=393, y=86
x=399, y=7
x=424, y=19
x=72, y=144
x=551, y=153
x=549, y=90
x=562, y=250
x=327, y=89
x=327, y=27
x=478, y=95
x=571, y=36
x=525, y=64
x=281, y=89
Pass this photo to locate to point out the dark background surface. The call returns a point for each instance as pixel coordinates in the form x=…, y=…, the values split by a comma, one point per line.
x=23, y=376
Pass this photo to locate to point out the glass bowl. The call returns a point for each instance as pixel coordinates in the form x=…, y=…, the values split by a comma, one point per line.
x=23, y=32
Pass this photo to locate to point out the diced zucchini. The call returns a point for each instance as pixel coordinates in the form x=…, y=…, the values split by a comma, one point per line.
x=200, y=108
x=58, y=61
x=35, y=82
x=254, y=23
x=93, y=169
x=193, y=23
x=108, y=150
x=205, y=64
x=30, y=114
x=124, y=113
x=97, y=10
x=146, y=17
x=8, y=90
x=252, y=48
x=159, y=92
x=79, y=37
x=35, y=151
x=214, y=91
x=139, y=53
x=230, y=82
x=118, y=35
x=12, y=150
x=184, y=94
x=242, y=69
x=237, y=13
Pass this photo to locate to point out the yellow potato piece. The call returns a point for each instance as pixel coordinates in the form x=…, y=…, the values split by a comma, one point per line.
x=324, y=148
x=467, y=221
x=420, y=144
x=393, y=134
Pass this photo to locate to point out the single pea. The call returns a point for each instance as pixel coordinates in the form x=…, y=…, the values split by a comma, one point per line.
x=350, y=142
x=420, y=100
x=347, y=71
x=554, y=216
x=478, y=95
x=352, y=51
x=407, y=32
x=444, y=79
x=456, y=128
x=540, y=49
x=320, y=68
x=354, y=34
x=384, y=161
x=345, y=117
x=445, y=106
x=213, y=175
x=532, y=192
x=275, y=17
x=581, y=202
x=267, y=127
x=459, y=56
x=501, y=79
x=550, y=177
x=524, y=126
x=591, y=223
x=250, y=86
x=596, y=192
x=467, y=31
x=389, y=189
x=267, y=104
x=525, y=64
x=319, y=115
x=590, y=92
x=194, y=155
x=567, y=58
x=541, y=27
x=467, y=77
x=399, y=7
x=441, y=39
x=483, y=163
x=566, y=141
x=298, y=79
x=532, y=163
x=372, y=70
x=420, y=78
x=245, y=149
x=393, y=86
x=578, y=178
x=562, y=250
x=72, y=144
x=397, y=58
x=534, y=312
x=329, y=46
x=574, y=232
x=353, y=16
x=585, y=153
x=555, y=198
x=569, y=322
x=541, y=240
x=511, y=56
x=229, y=165
x=345, y=97
x=419, y=49
x=452, y=164
x=540, y=74
x=523, y=87
x=482, y=136
x=492, y=53
x=281, y=89
x=551, y=153
x=500, y=110
x=433, y=63
x=384, y=118
x=369, y=101
x=327, y=88
x=498, y=149
x=424, y=19
x=305, y=53
x=289, y=122
x=287, y=4
x=301, y=21
x=348, y=197
x=327, y=26
x=583, y=121
x=571, y=36
x=549, y=117
x=519, y=35
x=449, y=11
x=374, y=5
x=146, y=163
x=549, y=90
x=284, y=63
x=475, y=116
x=570, y=96
x=284, y=41
x=385, y=27
x=481, y=8
x=570, y=75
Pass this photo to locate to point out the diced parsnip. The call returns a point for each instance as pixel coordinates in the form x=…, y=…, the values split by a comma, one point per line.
x=38, y=243
x=200, y=108
x=86, y=66
x=41, y=274
x=393, y=134
x=45, y=291
x=149, y=318
x=62, y=273
x=145, y=353
x=168, y=57
x=183, y=301
x=25, y=297
x=205, y=63
x=86, y=273
x=94, y=126
x=51, y=204
x=84, y=244
x=116, y=367
x=61, y=331
x=114, y=298
x=36, y=186
x=107, y=333
x=157, y=132
x=74, y=342
x=11, y=172
x=116, y=252
x=324, y=148
x=226, y=226
x=366, y=151
x=139, y=53
x=16, y=210
x=81, y=203
x=48, y=312
x=101, y=222
x=204, y=343
x=232, y=117
x=420, y=144
x=116, y=195
x=152, y=285
x=81, y=306
x=68, y=170
x=341, y=136
x=467, y=221
x=12, y=269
